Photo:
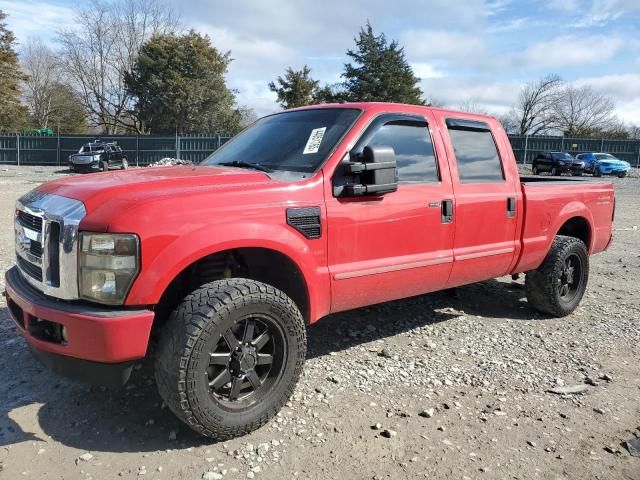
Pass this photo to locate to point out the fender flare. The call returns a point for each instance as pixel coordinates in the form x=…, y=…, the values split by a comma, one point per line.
x=575, y=209
x=169, y=262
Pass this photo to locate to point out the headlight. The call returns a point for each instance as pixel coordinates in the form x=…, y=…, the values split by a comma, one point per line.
x=108, y=265
x=560, y=162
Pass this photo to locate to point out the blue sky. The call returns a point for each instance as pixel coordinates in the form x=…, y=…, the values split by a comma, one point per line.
x=466, y=51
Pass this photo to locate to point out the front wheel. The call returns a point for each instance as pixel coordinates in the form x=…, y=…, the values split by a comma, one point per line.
x=557, y=286
x=597, y=172
x=125, y=164
x=230, y=356
x=554, y=171
x=622, y=175
x=535, y=170
x=104, y=166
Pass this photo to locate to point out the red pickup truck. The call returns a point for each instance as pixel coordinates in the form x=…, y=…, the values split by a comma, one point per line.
x=220, y=266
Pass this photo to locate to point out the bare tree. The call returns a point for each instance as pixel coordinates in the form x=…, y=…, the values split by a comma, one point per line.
x=40, y=65
x=104, y=45
x=471, y=106
x=510, y=121
x=582, y=111
x=535, y=104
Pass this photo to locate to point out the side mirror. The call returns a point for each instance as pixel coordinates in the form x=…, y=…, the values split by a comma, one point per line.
x=374, y=172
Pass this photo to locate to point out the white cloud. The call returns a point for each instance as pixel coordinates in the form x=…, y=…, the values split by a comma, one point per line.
x=443, y=45
x=623, y=88
x=492, y=95
x=570, y=50
x=35, y=18
x=603, y=12
x=426, y=70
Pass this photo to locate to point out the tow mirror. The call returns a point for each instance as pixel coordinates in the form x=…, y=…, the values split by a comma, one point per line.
x=374, y=172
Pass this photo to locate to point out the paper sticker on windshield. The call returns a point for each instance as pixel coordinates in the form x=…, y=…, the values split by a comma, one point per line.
x=313, y=144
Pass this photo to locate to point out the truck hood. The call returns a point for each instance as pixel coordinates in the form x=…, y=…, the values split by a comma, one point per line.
x=610, y=162
x=143, y=184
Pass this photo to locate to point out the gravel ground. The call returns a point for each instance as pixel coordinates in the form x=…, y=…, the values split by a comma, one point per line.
x=437, y=386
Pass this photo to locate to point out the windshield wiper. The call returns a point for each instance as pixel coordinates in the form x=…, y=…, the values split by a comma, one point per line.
x=241, y=164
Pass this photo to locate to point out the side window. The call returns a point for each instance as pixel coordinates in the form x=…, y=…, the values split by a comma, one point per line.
x=414, y=151
x=476, y=155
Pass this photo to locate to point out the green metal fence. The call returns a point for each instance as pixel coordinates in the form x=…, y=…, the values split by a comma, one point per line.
x=526, y=147
x=18, y=149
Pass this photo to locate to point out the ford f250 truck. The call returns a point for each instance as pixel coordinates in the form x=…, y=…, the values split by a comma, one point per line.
x=220, y=266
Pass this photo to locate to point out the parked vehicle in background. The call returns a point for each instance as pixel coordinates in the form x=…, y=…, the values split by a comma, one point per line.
x=98, y=156
x=557, y=163
x=308, y=212
x=600, y=164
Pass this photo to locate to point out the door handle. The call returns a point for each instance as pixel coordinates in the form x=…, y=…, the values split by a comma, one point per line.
x=447, y=211
x=511, y=207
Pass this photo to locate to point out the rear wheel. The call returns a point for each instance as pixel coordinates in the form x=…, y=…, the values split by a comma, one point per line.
x=230, y=356
x=557, y=286
x=596, y=171
x=534, y=170
x=554, y=171
x=104, y=166
x=125, y=164
x=622, y=175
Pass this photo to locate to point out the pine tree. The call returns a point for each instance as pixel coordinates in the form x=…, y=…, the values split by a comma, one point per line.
x=179, y=83
x=296, y=89
x=13, y=115
x=379, y=72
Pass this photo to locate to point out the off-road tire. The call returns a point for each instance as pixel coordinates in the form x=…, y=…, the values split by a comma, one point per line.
x=183, y=354
x=542, y=284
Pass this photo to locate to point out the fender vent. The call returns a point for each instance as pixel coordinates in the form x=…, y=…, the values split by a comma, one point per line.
x=306, y=221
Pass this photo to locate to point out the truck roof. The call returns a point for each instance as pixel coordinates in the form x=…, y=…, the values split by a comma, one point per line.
x=395, y=107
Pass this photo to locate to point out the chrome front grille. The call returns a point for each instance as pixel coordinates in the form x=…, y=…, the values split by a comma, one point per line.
x=30, y=221
x=31, y=269
x=46, y=231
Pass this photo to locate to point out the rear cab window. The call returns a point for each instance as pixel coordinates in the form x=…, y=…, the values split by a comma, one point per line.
x=476, y=152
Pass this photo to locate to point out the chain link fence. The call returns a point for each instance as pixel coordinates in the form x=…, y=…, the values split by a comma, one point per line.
x=16, y=149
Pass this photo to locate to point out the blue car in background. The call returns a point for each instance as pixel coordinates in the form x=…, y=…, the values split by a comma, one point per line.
x=600, y=164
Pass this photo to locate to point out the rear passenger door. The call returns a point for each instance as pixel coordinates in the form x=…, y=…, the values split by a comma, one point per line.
x=486, y=199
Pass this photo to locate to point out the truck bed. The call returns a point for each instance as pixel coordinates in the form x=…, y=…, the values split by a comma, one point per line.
x=552, y=203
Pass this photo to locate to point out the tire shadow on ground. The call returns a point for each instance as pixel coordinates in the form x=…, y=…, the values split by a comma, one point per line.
x=490, y=299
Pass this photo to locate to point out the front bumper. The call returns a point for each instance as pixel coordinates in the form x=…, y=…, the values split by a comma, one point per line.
x=84, y=167
x=99, y=344
x=571, y=168
x=613, y=170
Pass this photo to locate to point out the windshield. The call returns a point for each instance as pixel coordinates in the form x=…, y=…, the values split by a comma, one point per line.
x=298, y=141
x=605, y=156
x=562, y=156
x=89, y=148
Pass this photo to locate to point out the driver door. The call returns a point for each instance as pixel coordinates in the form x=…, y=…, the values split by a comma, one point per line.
x=396, y=245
